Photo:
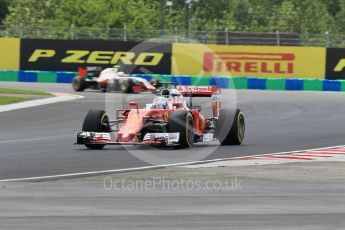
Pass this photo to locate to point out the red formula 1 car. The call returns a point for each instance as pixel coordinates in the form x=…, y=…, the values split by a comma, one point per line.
x=168, y=121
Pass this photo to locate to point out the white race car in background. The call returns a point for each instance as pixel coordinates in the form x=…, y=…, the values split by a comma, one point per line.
x=114, y=80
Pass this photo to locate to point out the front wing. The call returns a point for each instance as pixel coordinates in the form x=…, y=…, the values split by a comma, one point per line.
x=167, y=139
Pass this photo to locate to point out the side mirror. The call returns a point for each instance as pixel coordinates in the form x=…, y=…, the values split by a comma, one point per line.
x=177, y=104
x=134, y=104
x=197, y=108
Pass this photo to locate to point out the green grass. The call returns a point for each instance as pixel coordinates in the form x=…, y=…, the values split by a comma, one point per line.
x=5, y=100
x=23, y=91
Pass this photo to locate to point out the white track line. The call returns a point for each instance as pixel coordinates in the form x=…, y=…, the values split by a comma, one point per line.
x=59, y=97
x=104, y=172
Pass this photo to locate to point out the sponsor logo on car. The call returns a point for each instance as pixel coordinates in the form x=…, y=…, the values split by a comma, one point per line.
x=174, y=137
x=202, y=124
x=165, y=116
x=194, y=88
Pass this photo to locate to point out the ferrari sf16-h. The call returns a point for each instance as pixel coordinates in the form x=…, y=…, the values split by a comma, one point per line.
x=114, y=80
x=167, y=121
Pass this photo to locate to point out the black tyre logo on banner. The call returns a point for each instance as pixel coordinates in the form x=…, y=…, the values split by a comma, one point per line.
x=335, y=65
x=68, y=55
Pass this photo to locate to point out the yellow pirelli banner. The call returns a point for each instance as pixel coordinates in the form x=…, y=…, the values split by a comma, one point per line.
x=9, y=53
x=248, y=61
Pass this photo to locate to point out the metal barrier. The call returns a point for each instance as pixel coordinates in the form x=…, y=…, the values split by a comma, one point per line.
x=178, y=36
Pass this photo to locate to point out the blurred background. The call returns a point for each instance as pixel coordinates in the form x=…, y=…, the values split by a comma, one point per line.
x=267, y=22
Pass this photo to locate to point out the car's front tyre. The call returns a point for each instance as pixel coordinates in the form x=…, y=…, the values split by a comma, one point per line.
x=96, y=121
x=181, y=121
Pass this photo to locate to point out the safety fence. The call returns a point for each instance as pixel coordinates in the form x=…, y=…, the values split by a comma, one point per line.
x=221, y=37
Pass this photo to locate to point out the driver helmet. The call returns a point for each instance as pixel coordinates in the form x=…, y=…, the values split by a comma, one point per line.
x=121, y=74
x=165, y=93
x=161, y=103
x=117, y=68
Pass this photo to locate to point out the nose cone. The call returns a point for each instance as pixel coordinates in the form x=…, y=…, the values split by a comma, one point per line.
x=127, y=137
x=133, y=125
x=151, y=88
x=129, y=132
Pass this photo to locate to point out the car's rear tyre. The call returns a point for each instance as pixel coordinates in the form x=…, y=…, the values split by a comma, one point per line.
x=182, y=122
x=230, y=127
x=94, y=122
x=126, y=85
x=103, y=87
x=155, y=82
x=79, y=84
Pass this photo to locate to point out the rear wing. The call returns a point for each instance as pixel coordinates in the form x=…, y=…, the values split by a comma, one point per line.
x=203, y=91
x=93, y=70
x=198, y=91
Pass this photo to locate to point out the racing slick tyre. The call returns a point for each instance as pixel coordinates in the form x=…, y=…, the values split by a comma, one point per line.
x=79, y=84
x=182, y=122
x=230, y=127
x=94, y=122
x=126, y=85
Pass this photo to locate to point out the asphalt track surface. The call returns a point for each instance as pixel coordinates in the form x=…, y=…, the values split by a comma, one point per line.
x=38, y=141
